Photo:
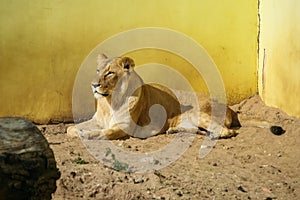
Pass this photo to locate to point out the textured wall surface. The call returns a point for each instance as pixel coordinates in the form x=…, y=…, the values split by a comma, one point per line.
x=43, y=43
x=279, y=57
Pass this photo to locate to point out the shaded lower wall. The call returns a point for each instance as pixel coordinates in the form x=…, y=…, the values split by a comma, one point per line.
x=279, y=57
x=43, y=43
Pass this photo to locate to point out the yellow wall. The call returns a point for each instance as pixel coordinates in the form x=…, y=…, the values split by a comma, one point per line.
x=42, y=44
x=279, y=57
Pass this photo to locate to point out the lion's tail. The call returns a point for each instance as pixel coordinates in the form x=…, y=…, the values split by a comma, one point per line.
x=276, y=130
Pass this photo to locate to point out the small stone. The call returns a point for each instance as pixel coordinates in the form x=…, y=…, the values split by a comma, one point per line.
x=138, y=180
x=277, y=130
x=179, y=193
x=73, y=174
x=268, y=198
x=240, y=188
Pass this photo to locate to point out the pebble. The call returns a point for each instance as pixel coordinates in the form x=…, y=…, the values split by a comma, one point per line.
x=138, y=180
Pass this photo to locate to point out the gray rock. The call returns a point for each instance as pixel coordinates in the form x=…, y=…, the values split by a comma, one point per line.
x=27, y=165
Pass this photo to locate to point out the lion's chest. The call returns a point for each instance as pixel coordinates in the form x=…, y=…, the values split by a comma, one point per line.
x=104, y=114
x=108, y=117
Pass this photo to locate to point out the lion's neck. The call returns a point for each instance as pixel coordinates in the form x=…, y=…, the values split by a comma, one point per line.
x=130, y=86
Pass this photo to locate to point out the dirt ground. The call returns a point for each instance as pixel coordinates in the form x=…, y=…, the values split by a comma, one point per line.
x=255, y=164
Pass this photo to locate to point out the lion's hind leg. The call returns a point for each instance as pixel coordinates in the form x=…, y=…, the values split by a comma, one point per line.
x=223, y=133
x=183, y=126
x=174, y=130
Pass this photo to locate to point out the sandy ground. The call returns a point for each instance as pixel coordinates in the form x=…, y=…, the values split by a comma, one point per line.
x=256, y=164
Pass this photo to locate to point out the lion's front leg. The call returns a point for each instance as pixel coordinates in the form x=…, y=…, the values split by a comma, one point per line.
x=72, y=132
x=93, y=135
x=78, y=129
x=105, y=134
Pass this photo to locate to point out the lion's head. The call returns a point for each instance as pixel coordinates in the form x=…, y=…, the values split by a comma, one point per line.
x=109, y=72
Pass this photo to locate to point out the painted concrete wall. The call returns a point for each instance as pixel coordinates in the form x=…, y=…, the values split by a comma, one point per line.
x=279, y=57
x=42, y=44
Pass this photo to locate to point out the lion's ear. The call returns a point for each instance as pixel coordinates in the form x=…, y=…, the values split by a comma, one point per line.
x=101, y=57
x=128, y=64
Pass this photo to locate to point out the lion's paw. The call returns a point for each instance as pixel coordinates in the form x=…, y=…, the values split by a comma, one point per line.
x=94, y=135
x=72, y=132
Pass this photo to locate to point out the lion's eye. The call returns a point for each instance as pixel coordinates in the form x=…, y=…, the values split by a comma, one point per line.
x=97, y=71
x=109, y=73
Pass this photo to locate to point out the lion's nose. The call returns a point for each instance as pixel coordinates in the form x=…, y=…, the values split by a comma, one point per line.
x=95, y=85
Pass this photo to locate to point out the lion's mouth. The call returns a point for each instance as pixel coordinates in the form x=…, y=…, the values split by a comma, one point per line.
x=102, y=94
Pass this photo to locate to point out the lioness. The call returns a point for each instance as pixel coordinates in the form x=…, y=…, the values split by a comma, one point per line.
x=124, y=103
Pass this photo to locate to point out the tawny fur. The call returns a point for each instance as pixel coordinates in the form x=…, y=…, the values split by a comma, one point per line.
x=115, y=89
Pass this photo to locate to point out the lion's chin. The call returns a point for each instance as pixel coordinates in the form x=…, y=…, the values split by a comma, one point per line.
x=98, y=95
